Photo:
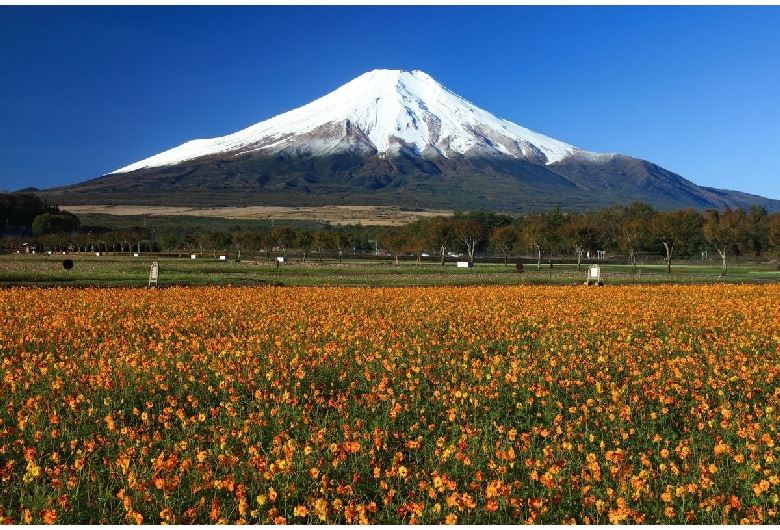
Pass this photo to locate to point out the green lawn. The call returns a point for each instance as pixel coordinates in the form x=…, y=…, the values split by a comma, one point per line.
x=125, y=270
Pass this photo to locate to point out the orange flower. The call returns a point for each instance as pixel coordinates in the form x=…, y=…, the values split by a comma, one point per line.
x=735, y=503
x=49, y=516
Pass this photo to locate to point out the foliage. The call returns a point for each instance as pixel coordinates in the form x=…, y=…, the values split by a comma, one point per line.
x=626, y=232
x=503, y=239
x=52, y=223
x=29, y=210
x=725, y=231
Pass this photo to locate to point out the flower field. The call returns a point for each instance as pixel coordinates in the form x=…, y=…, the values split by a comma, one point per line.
x=542, y=404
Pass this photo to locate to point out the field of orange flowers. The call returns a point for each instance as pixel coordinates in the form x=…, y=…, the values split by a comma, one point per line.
x=646, y=404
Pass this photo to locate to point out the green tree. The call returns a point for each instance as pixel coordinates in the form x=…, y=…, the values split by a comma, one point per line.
x=608, y=221
x=21, y=209
x=189, y=243
x=676, y=230
x=395, y=239
x=220, y=241
x=441, y=235
x=304, y=241
x=470, y=232
x=169, y=241
x=342, y=240
x=246, y=240
x=581, y=235
x=50, y=223
x=283, y=237
x=724, y=230
x=634, y=227
x=757, y=235
x=321, y=240
x=538, y=235
x=773, y=233
x=503, y=239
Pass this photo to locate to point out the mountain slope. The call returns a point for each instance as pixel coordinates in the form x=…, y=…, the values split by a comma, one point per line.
x=382, y=111
x=394, y=137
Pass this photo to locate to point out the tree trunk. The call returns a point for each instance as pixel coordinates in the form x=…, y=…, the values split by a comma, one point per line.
x=723, y=257
x=443, y=252
x=668, y=248
x=470, y=247
x=539, y=260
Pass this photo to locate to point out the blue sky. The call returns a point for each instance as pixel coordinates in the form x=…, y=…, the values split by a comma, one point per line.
x=695, y=89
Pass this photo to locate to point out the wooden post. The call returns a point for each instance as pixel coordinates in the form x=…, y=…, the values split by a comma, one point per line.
x=153, y=274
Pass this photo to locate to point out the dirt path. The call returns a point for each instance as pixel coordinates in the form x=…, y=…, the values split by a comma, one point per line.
x=335, y=215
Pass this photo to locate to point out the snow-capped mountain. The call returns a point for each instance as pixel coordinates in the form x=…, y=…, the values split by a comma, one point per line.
x=395, y=138
x=382, y=112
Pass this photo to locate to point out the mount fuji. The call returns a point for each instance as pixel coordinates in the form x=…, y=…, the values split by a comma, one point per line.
x=399, y=138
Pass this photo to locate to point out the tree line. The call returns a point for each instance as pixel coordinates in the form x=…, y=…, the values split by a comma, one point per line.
x=629, y=231
x=626, y=231
x=30, y=211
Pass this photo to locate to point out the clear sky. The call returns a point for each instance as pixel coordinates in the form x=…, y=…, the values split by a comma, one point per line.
x=86, y=90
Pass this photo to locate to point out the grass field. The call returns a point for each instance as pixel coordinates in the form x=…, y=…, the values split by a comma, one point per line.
x=127, y=271
x=471, y=404
x=333, y=215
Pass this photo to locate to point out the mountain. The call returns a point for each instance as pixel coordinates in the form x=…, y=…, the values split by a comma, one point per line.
x=394, y=137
